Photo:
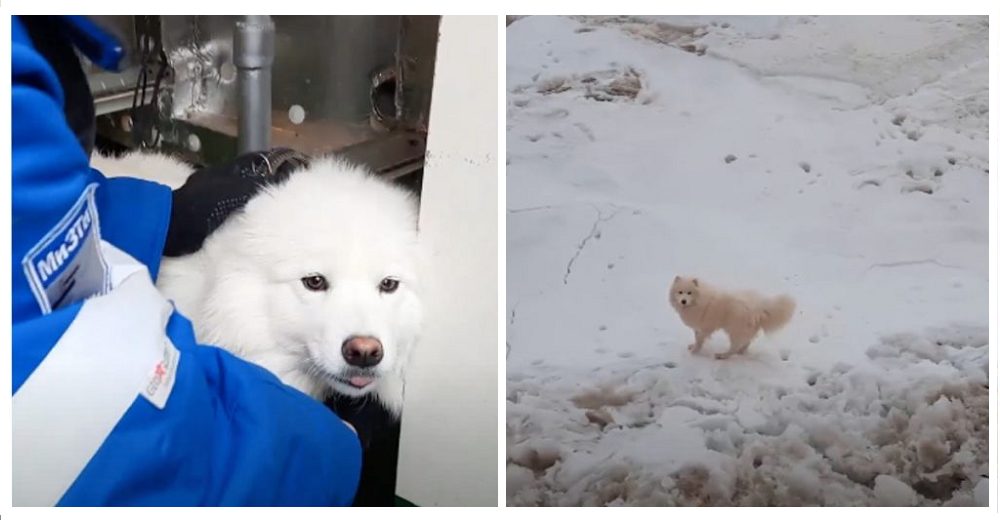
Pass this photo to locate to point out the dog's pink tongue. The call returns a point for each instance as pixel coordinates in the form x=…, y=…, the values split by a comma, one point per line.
x=360, y=381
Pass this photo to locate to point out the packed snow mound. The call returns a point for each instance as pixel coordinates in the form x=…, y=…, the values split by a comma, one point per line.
x=909, y=428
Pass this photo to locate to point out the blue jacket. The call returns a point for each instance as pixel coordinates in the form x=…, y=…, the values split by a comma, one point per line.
x=229, y=433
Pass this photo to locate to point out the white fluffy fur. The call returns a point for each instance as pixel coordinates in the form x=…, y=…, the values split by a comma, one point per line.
x=150, y=166
x=742, y=315
x=243, y=289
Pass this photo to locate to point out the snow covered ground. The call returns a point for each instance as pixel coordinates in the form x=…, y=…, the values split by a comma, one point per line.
x=843, y=161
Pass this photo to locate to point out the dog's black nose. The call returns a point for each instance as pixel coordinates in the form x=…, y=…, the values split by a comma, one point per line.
x=362, y=351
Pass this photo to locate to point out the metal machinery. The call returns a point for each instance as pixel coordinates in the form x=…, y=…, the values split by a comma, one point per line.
x=197, y=86
x=208, y=87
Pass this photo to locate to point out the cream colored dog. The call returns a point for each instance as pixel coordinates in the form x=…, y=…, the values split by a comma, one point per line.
x=741, y=314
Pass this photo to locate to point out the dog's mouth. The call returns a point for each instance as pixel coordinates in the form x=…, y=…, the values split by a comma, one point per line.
x=357, y=379
x=358, y=382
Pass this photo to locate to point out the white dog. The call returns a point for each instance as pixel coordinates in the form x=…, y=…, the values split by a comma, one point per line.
x=316, y=280
x=742, y=315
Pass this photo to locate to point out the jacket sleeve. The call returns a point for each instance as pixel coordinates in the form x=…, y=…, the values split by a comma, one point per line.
x=230, y=433
x=50, y=170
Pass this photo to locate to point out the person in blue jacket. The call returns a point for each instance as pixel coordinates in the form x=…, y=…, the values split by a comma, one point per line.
x=114, y=402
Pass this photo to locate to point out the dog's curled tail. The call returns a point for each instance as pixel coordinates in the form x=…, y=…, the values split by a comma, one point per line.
x=777, y=312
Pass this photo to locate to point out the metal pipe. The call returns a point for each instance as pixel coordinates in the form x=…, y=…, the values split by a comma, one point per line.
x=253, y=55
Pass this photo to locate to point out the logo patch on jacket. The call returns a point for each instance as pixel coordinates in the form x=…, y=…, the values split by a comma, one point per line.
x=161, y=380
x=67, y=266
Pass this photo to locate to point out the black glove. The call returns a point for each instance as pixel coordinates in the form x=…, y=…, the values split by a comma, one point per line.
x=48, y=34
x=211, y=195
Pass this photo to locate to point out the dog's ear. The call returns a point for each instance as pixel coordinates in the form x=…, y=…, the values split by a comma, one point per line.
x=677, y=279
x=694, y=281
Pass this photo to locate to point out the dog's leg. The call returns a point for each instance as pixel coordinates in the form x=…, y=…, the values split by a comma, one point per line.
x=733, y=349
x=745, y=341
x=699, y=340
x=737, y=345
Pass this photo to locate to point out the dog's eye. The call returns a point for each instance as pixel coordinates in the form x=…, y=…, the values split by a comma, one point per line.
x=388, y=285
x=315, y=282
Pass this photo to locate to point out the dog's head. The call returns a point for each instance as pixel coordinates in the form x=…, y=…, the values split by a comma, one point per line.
x=324, y=268
x=684, y=292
